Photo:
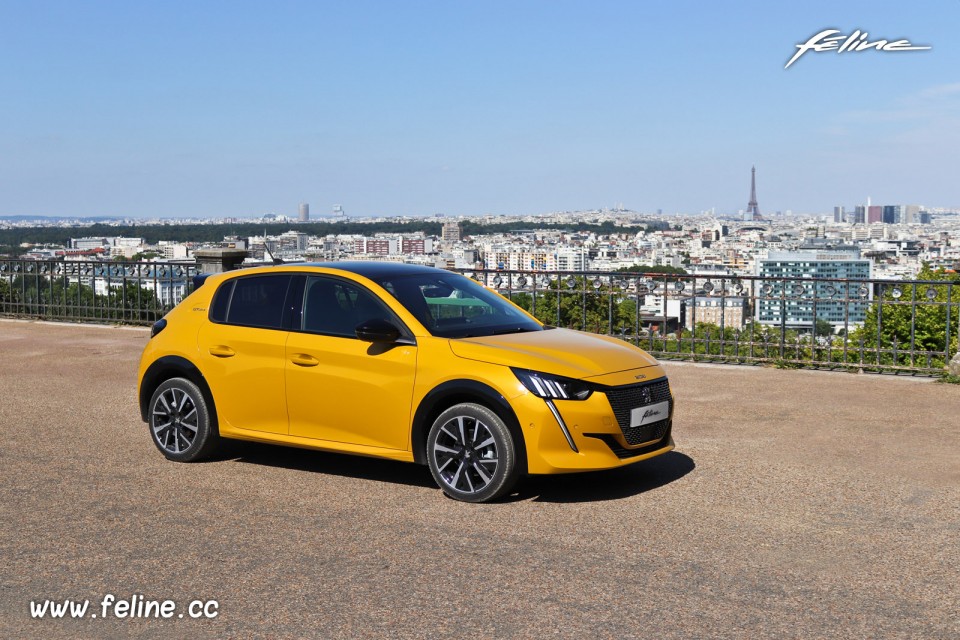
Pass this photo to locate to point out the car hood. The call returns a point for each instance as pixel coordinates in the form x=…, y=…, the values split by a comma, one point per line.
x=563, y=352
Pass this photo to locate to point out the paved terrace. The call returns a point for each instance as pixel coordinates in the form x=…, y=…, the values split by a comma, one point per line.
x=798, y=504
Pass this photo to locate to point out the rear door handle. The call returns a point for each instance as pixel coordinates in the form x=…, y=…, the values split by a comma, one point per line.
x=222, y=351
x=304, y=360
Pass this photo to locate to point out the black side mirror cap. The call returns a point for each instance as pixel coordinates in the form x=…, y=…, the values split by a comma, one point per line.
x=158, y=326
x=379, y=331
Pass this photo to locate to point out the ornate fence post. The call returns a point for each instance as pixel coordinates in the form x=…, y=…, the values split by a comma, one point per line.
x=954, y=366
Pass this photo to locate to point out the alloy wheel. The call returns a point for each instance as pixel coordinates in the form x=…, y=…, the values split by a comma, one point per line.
x=465, y=454
x=175, y=420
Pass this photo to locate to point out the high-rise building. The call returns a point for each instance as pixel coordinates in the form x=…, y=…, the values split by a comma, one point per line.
x=874, y=214
x=859, y=214
x=798, y=278
x=571, y=259
x=839, y=214
x=451, y=232
x=889, y=214
x=911, y=214
x=304, y=212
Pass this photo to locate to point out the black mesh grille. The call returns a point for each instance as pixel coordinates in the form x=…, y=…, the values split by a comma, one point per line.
x=624, y=399
x=621, y=452
x=646, y=433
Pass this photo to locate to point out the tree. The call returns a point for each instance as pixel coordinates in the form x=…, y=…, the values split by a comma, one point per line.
x=890, y=319
x=823, y=328
x=131, y=302
x=8, y=295
x=143, y=256
x=582, y=306
x=43, y=297
x=643, y=268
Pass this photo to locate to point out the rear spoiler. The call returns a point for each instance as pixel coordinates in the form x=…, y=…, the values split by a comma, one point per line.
x=199, y=279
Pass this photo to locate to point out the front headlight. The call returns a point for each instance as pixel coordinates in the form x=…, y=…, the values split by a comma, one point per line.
x=548, y=386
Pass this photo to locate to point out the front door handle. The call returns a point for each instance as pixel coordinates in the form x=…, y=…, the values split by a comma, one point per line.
x=304, y=360
x=222, y=351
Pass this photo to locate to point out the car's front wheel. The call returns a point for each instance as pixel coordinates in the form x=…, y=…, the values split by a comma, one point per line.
x=180, y=421
x=471, y=453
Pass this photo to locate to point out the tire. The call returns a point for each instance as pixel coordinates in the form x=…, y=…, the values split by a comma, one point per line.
x=179, y=422
x=471, y=454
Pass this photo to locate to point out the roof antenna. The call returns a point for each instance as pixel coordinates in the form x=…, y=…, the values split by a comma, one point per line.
x=267, y=251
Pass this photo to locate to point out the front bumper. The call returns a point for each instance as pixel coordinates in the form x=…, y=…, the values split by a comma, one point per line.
x=598, y=426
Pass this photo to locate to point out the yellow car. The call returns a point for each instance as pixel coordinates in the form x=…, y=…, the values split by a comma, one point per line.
x=401, y=362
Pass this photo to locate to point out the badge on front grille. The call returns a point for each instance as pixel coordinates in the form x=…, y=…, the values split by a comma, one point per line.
x=652, y=413
x=645, y=395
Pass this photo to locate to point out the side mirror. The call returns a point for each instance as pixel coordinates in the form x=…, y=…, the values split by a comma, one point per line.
x=377, y=330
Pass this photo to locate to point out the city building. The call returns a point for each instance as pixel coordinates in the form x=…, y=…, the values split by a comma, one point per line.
x=450, y=233
x=726, y=312
x=813, y=281
x=304, y=212
x=378, y=246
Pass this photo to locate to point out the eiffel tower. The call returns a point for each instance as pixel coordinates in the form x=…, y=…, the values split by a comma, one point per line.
x=753, y=211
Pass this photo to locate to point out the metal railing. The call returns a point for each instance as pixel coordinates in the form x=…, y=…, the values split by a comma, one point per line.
x=908, y=326
x=93, y=291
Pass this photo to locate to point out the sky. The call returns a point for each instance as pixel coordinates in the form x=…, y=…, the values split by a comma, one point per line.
x=469, y=107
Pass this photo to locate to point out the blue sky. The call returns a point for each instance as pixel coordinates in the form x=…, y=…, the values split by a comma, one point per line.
x=207, y=108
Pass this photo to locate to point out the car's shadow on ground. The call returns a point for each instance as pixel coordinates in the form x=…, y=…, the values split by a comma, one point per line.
x=613, y=484
x=348, y=466
x=593, y=486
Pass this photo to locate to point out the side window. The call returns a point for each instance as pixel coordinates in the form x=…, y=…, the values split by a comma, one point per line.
x=335, y=307
x=221, y=300
x=257, y=301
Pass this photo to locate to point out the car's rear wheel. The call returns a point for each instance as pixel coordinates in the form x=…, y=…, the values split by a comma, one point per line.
x=180, y=421
x=471, y=453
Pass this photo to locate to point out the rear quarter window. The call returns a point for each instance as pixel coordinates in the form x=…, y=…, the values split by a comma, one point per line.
x=221, y=300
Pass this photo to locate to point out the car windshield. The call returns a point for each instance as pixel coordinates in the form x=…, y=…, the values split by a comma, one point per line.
x=453, y=306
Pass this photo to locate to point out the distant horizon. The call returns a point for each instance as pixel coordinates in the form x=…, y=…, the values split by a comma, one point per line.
x=184, y=110
x=292, y=217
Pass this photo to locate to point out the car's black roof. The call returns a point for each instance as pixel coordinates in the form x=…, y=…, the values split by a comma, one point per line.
x=373, y=270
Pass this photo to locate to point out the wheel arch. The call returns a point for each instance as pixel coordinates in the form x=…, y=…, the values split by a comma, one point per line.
x=455, y=392
x=168, y=367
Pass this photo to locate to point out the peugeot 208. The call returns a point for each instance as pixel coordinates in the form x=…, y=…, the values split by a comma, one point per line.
x=401, y=362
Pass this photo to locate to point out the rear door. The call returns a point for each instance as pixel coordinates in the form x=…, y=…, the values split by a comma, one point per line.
x=243, y=352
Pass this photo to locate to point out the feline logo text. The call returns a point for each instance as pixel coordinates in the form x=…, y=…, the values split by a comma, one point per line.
x=856, y=41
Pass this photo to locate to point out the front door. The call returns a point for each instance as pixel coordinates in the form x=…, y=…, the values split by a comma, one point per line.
x=340, y=388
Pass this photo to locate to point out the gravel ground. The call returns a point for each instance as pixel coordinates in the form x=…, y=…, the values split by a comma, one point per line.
x=797, y=504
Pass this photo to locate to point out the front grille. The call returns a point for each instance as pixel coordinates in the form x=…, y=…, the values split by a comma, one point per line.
x=624, y=399
x=646, y=433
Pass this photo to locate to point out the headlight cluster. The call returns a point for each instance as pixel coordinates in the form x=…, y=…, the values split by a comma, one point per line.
x=553, y=387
